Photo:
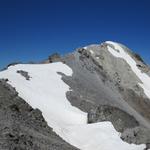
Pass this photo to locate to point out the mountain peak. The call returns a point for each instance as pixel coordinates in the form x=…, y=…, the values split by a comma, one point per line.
x=99, y=92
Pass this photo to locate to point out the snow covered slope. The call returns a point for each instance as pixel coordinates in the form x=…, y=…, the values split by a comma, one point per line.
x=119, y=52
x=46, y=91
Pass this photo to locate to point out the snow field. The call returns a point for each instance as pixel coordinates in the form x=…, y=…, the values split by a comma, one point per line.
x=47, y=92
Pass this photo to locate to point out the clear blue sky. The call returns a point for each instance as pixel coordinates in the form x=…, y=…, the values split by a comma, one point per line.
x=33, y=29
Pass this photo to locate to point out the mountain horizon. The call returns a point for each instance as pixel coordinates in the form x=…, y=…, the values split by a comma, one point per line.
x=32, y=30
x=49, y=53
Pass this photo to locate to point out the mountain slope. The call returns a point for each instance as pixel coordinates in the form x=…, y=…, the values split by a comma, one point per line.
x=24, y=128
x=108, y=89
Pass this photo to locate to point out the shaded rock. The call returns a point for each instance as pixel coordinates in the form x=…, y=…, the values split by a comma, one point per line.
x=22, y=127
x=137, y=135
x=120, y=119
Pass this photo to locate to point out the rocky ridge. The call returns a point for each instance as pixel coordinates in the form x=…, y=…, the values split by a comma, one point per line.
x=108, y=89
x=102, y=85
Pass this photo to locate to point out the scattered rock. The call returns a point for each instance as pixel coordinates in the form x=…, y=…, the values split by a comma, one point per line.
x=24, y=74
x=54, y=58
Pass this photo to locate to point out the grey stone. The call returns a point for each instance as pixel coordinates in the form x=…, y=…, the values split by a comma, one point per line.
x=24, y=74
x=24, y=128
x=108, y=89
x=102, y=85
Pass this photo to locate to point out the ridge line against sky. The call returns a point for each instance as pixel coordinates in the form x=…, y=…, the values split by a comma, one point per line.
x=30, y=30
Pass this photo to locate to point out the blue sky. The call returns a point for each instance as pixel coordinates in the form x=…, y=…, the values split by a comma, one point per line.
x=33, y=29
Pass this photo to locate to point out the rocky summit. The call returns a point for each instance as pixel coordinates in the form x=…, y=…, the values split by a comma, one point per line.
x=96, y=98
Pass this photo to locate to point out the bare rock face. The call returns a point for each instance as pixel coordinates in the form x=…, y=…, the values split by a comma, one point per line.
x=55, y=57
x=136, y=135
x=120, y=119
x=102, y=85
x=22, y=127
x=107, y=88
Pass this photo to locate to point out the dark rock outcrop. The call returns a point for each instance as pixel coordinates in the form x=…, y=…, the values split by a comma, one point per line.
x=24, y=74
x=22, y=127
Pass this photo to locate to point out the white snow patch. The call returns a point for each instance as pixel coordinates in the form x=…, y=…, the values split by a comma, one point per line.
x=99, y=136
x=145, y=79
x=91, y=51
x=47, y=92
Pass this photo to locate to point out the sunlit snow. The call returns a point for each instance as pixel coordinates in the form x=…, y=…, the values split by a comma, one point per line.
x=46, y=91
x=145, y=79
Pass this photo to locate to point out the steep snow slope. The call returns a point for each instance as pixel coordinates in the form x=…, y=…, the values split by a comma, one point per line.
x=46, y=91
x=119, y=52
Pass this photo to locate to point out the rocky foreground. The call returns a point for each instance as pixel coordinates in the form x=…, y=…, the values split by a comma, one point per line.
x=24, y=128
